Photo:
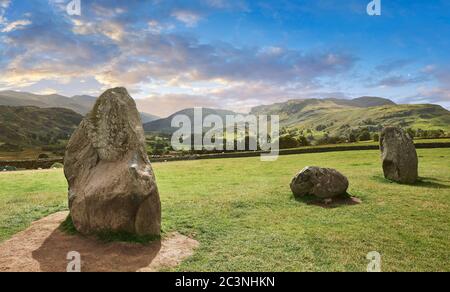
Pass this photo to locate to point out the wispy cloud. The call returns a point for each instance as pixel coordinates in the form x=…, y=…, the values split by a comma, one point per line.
x=189, y=18
x=110, y=50
x=168, y=51
x=392, y=65
x=4, y=4
x=399, y=80
x=16, y=25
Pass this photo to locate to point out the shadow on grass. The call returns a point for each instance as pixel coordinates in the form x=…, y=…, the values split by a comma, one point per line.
x=423, y=182
x=430, y=183
x=345, y=200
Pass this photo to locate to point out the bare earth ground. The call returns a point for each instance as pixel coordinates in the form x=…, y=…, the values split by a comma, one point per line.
x=44, y=248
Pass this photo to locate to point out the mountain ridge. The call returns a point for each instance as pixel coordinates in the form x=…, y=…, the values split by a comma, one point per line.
x=339, y=117
x=164, y=125
x=81, y=104
x=361, y=102
x=15, y=98
x=336, y=116
x=332, y=116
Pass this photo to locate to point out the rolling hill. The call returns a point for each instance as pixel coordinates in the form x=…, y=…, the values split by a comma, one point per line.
x=147, y=118
x=164, y=125
x=29, y=119
x=81, y=104
x=36, y=126
x=297, y=106
x=338, y=117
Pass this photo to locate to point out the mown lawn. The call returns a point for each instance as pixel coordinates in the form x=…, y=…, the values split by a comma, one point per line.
x=245, y=218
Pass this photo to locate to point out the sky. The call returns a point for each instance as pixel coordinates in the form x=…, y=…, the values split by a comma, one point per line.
x=232, y=54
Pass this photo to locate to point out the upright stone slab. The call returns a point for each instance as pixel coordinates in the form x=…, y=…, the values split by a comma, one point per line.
x=399, y=156
x=111, y=182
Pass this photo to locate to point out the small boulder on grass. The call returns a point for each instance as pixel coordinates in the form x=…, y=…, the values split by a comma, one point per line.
x=324, y=183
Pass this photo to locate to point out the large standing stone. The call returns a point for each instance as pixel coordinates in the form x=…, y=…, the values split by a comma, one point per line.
x=400, y=162
x=324, y=183
x=111, y=182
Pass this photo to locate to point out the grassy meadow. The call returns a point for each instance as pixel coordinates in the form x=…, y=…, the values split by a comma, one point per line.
x=244, y=216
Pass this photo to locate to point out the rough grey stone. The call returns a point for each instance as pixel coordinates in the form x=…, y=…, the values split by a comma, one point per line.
x=112, y=186
x=399, y=156
x=324, y=183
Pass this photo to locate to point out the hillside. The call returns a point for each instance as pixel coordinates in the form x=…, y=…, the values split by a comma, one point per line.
x=336, y=117
x=339, y=117
x=147, y=118
x=81, y=104
x=296, y=106
x=36, y=126
x=164, y=125
x=370, y=101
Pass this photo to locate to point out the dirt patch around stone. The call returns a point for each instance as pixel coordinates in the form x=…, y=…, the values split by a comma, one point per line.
x=44, y=248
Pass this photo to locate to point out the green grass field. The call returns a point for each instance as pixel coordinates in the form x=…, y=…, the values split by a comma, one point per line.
x=244, y=216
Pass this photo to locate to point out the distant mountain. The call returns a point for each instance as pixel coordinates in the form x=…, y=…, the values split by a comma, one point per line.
x=147, y=118
x=370, y=101
x=85, y=101
x=81, y=104
x=332, y=115
x=36, y=126
x=300, y=105
x=335, y=116
x=340, y=116
x=165, y=125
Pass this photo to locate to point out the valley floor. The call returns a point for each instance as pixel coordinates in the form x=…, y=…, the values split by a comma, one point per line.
x=245, y=218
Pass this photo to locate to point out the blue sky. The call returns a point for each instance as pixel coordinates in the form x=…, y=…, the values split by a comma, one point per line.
x=230, y=54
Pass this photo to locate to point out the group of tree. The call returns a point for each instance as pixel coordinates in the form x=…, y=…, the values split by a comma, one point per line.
x=427, y=134
x=158, y=145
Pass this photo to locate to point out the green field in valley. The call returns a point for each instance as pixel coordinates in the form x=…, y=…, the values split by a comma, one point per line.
x=244, y=216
